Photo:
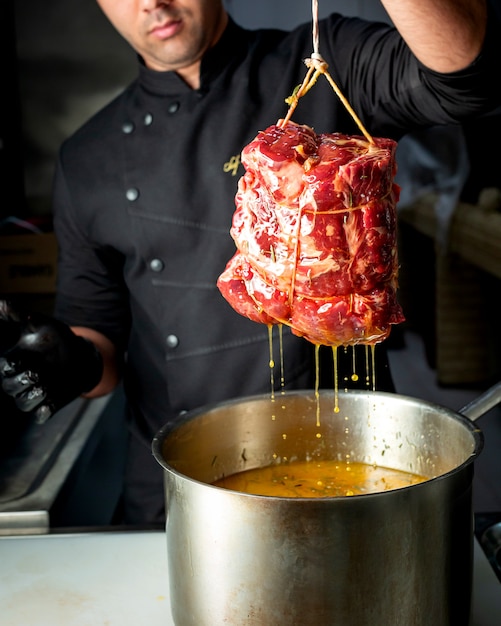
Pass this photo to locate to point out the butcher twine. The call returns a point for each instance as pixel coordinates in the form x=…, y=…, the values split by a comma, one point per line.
x=316, y=66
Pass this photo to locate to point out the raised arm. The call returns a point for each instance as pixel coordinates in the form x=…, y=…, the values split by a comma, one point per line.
x=445, y=35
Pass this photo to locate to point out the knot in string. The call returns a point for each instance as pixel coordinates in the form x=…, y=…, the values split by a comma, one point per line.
x=316, y=62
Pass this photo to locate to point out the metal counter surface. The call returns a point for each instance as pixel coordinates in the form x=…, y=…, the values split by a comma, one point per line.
x=40, y=460
x=120, y=578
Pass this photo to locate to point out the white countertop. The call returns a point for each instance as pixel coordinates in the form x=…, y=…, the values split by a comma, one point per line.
x=120, y=578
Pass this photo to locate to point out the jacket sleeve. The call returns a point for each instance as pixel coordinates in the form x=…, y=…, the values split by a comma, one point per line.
x=392, y=92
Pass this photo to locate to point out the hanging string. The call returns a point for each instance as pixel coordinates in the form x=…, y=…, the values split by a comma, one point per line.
x=316, y=36
x=317, y=66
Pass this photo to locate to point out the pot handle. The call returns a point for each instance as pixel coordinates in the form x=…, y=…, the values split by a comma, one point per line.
x=479, y=406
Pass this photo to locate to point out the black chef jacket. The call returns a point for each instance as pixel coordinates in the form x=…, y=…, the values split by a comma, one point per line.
x=144, y=197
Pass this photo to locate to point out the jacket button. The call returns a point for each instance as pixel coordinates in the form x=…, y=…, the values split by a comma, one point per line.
x=156, y=265
x=127, y=127
x=132, y=194
x=172, y=341
x=173, y=107
x=148, y=119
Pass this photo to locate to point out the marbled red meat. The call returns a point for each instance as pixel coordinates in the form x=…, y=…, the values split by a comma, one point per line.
x=315, y=231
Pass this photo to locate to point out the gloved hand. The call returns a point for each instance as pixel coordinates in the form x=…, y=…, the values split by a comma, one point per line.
x=43, y=364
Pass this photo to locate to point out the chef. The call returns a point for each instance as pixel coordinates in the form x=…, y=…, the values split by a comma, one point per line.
x=144, y=197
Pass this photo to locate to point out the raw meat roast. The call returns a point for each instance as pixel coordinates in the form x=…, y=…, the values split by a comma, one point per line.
x=315, y=231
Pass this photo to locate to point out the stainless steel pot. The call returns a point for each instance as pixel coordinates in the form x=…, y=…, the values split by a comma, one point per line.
x=395, y=558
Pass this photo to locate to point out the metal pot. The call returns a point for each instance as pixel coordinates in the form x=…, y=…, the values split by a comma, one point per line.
x=401, y=557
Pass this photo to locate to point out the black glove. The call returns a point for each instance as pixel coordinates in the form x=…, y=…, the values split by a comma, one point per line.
x=43, y=364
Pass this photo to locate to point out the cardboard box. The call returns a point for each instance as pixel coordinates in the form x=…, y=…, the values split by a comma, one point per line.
x=28, y=263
